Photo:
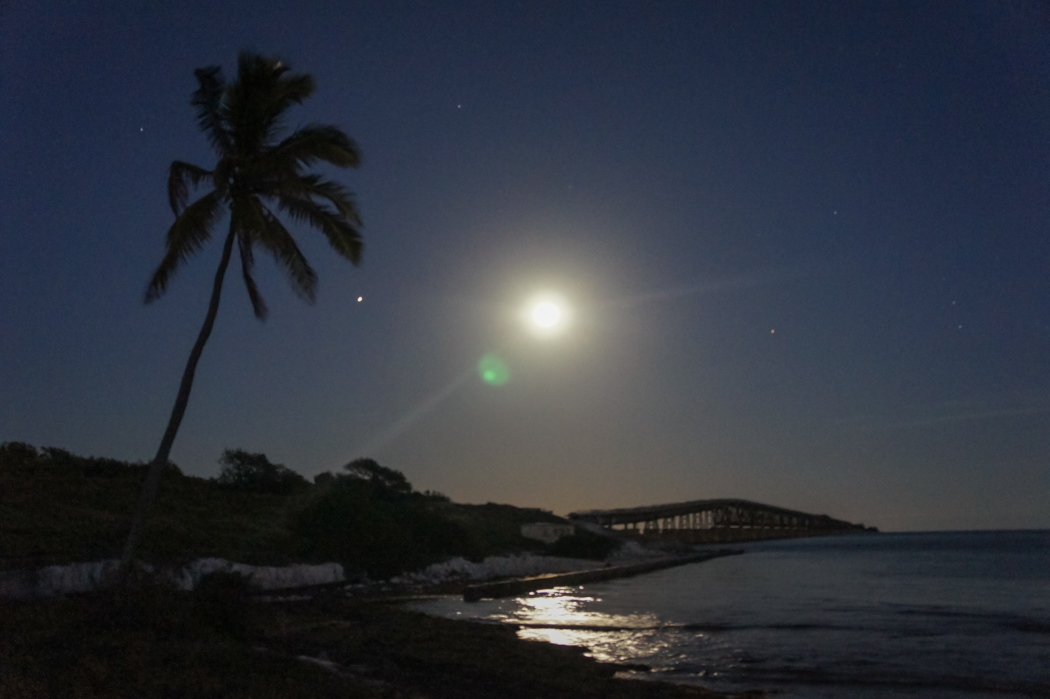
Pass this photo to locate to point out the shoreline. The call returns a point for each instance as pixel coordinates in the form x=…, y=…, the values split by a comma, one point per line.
x=513, y=587
x=154, y=642
x=335, y=639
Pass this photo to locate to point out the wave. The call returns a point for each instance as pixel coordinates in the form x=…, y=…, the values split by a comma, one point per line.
x=855, y=677
x=1016, y=622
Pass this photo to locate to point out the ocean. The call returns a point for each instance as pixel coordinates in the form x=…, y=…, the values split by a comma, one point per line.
x=954, y=615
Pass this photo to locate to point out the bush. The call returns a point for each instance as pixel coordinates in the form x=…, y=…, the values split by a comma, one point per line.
x=21, y=455
x=253, y=473
x=584, y=544
x=360, y=523
x=386, y=480
x=18, y=454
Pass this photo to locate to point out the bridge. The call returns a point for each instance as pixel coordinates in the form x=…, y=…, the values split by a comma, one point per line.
x=715, y=521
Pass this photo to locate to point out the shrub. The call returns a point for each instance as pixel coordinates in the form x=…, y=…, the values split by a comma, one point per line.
x=435, y=495
x=386, y=480
x=584, y=544
x=21, y=455
x=362, y=523
x=253, y=473
x=15, y=454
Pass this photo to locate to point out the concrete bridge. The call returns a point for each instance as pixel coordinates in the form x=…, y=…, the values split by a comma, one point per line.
x=715, y=521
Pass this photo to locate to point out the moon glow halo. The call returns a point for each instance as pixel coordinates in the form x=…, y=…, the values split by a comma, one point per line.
x=547, y=315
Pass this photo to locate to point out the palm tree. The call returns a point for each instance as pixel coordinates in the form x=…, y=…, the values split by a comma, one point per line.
x=256, y=177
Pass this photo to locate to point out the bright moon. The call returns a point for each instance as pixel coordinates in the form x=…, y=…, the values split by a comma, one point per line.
x=547, y=314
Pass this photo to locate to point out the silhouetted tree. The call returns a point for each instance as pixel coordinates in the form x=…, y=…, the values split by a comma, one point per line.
x=385, y=479
x=370, y=518
x=256, y=176
x=253, y=473
x=324, y=478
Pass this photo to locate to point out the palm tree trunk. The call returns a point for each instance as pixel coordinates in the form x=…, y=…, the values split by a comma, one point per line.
x=156, y=467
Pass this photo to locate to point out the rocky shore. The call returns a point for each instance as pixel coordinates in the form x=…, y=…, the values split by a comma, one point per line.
x=220, y=643
x=229, y=638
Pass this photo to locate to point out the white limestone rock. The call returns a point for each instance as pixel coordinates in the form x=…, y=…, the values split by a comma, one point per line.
x=73, y=578
x=86, y=577
x=515, y=566
x=260, y=577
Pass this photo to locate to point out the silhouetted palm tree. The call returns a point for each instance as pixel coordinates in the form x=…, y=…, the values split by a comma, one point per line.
x=256, y=177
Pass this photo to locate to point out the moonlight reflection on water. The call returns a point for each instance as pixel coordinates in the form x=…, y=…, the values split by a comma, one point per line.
x=945, y=615
x=561, y=616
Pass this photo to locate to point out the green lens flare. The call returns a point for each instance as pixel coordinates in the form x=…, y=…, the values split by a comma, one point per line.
x=493, y=370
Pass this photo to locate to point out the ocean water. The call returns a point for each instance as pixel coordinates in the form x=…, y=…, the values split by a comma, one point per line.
x=943, y=615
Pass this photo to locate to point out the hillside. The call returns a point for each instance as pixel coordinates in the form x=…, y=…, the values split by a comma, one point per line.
x=56, y=507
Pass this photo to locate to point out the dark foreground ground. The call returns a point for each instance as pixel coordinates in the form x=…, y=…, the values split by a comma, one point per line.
x=150, y=643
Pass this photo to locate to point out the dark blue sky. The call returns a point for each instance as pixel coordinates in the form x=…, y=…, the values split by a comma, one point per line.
x=868, y=179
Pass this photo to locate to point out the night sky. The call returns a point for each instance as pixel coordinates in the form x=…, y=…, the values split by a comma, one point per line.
x=805, y=245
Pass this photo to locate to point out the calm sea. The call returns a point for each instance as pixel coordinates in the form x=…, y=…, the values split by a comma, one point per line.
x=959, y=614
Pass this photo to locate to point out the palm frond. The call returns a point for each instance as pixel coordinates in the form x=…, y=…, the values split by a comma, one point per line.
x=191, y=230
x=282, y=89
x=317, y=187
x=208, y=99
x=178, y=190
x=269, y=232
x=293, y=89
x=260, y=96
x=310, y=144
x=256, y=169
x=343, y=235
x=341, y=198
x=247, y=263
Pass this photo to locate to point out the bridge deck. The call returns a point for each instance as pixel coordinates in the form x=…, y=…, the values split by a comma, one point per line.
x=710, y=514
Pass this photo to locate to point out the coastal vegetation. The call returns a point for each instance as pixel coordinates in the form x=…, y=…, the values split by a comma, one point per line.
x=149, y=640
x=56, y=507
